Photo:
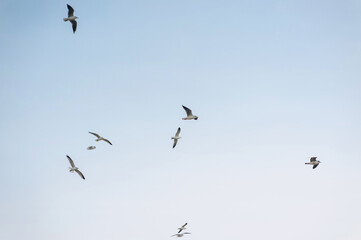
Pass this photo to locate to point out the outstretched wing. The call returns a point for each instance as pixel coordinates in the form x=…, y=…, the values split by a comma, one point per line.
x=175, y=142
x=315, y=166
x=70, y=11
x=80, y=174
x=313, y=159
x=188, y=111
x=95, y=134
x=74, y=24
x=175, y=235
x=178, y=131
x=107, y=141
x=184, y=225
x=71, y=161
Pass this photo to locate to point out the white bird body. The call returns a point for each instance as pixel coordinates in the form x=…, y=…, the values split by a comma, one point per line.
x=99, y=138
x=182, y=227
x=73, y=168
x=71, y=18
x=314, y=162
x=176, y=137
x=180, y=234
x=190, y=115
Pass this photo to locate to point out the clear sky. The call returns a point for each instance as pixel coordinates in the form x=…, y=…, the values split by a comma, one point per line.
x=273, y=83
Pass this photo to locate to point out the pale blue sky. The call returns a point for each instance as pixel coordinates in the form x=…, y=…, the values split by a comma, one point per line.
x=273, y=83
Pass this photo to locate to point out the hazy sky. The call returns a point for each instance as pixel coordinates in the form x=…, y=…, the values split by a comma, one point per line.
x=273, y=83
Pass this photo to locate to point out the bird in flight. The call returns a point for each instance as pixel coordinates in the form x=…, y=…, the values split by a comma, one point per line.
x=190, y=115
x=182, y=228
x=74, y=168
x=176, y=137
x=313, y=162
x=91, y=147
x=180, y=234
x=71, y=17
x=99, y=138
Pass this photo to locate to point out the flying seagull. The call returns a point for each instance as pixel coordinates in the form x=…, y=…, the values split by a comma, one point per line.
x=182, y=228
x=71, y=17
x=99, y=138
x=73, y=168
x=91, y=147
x=190, y=116
x=180, y=234
x=176, y=137
x=313, y=162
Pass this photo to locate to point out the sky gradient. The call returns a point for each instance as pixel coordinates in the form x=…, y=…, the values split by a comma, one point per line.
x=273, y=83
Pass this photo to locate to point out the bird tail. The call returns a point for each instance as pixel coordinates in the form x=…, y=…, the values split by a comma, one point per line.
x=307, y=163
x=65, y=19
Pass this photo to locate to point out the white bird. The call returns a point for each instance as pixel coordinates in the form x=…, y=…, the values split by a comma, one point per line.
x=71, y=17
x=190, y=115
x=182, y=228
x=313, y=162
x=176, y=137
x=73, y=168
x=180, y=234
x=91, y=147
x=99, y=138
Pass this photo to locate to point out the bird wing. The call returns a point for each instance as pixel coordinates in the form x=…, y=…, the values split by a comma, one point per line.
x=74, y=24
x=107, y=141
x=70, y=11
x=71, y=161
x=315, y=166
x=312, y=159
x=188, y=111
x=186, y=233
x=178, y=131
x=184, y=225
x=175, y=142
x=174, y=235
x=80, y=174
x=95, y=134
x=180, y=229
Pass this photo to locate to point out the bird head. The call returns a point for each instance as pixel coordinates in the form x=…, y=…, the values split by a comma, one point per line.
x=195, y=118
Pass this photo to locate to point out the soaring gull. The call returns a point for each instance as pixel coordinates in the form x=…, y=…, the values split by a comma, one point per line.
x=91, y=147
x=182, y=228
x=190, y=115
x=176, y=137
x=74, y=168
x=180, y=234
x=71, y=17
x=99, y=138
x=313, y=162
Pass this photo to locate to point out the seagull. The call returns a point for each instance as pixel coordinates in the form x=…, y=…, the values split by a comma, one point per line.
x=73, y=168
x=190, y=116
x=91, y=147
x=99, y=138
x=180, y=234
x=313, y=162
x=182, y=228
x=71, y=17
x=176, y=137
